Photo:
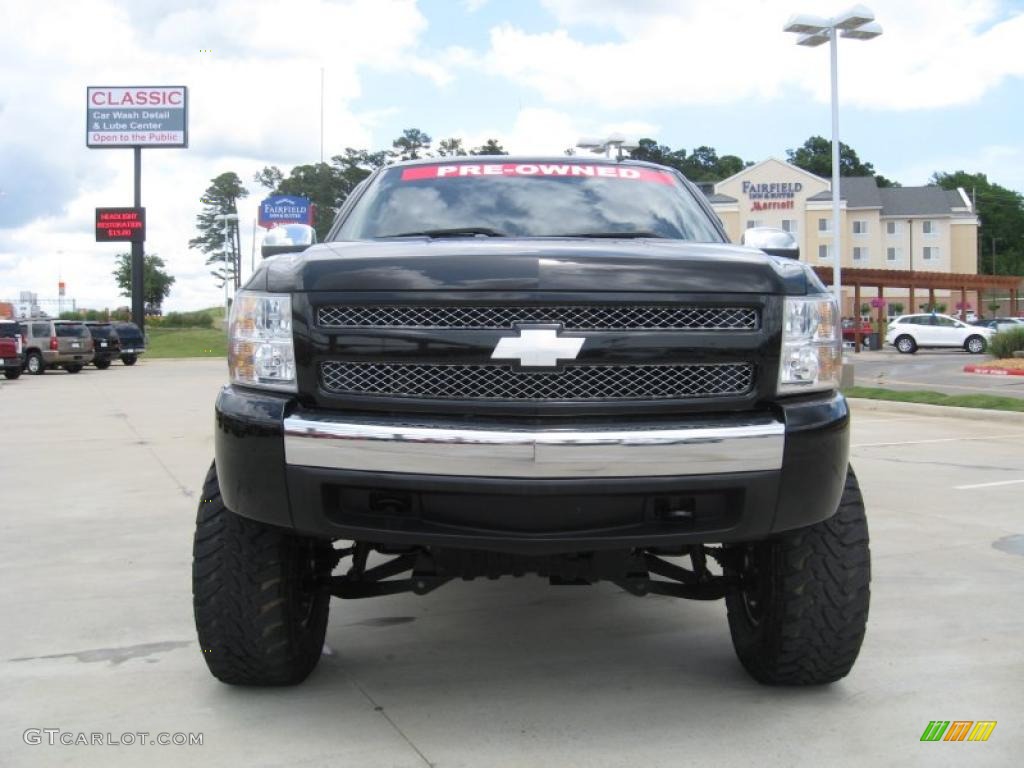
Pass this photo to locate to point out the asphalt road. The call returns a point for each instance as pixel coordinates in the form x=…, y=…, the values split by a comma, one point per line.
x=938, y=370
x=99, y=485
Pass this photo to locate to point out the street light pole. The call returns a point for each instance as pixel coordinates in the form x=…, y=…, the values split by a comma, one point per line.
x=837, y=235
x=857, y=23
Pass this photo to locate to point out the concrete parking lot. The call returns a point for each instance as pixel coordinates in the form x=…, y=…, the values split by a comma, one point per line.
x=99, y=486
x=938, y=370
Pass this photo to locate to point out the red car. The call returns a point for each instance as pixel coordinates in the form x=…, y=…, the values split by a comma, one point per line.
x=850, y=328
x=11, y=349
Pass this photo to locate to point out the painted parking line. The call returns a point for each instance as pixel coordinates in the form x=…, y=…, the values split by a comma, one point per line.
x=938, y=440
x=986, y=485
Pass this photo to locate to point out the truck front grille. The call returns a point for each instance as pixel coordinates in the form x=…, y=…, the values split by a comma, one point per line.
x=499, y=382
x=608, y=317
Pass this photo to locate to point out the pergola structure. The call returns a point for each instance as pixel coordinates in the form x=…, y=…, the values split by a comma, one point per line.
x=879, y=279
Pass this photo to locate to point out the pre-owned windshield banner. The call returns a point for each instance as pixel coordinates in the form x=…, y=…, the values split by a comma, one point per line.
x=579, y=170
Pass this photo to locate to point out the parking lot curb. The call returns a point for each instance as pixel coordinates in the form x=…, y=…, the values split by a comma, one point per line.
x=990, y=371
x=936, y=411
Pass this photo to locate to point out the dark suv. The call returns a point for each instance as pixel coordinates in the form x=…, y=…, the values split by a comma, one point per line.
x=106, y=344
x=501, y=366
x=131, y=340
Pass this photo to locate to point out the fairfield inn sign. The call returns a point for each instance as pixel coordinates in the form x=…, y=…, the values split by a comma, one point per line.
x=771, y=196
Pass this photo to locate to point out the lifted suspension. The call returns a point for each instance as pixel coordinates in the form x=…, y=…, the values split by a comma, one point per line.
x=632, y=570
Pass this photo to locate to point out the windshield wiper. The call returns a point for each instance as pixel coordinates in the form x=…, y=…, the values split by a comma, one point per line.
x=633, y=234
x=454, y=232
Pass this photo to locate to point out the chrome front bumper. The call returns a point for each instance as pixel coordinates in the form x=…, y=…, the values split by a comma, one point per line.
x=655, y=450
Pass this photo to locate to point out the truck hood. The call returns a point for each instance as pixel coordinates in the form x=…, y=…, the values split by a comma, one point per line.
x=534, y=264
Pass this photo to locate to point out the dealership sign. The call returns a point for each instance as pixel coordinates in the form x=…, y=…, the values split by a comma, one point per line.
x=120, y=225
x=282, y=209
x=143, y=116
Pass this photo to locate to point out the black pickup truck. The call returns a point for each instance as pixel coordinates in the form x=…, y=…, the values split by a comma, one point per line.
x=511, y=366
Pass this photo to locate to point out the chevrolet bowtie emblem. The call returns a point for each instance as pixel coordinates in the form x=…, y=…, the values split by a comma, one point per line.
x=537, y=347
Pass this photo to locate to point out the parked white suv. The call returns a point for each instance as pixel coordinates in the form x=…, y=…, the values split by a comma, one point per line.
x=908, y=333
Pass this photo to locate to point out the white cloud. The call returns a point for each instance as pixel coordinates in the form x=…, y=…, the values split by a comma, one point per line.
x=254, y=99
x=685, y=53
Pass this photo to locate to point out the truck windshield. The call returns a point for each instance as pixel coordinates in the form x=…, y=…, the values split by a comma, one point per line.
x=494, y=199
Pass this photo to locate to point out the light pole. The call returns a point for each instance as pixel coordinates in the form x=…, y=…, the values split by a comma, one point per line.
x=225, y=218
x=857, y=23
x=604, y=146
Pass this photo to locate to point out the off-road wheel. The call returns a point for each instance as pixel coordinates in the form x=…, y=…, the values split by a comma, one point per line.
x=258, y=594
x=906, y=345
x=129, y=359
x=800, y=616
x=34, y=363
x=101, y=364
x=12, y=373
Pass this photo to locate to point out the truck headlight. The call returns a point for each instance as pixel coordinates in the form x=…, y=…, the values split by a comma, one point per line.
x=261, y=352
x=812, y=356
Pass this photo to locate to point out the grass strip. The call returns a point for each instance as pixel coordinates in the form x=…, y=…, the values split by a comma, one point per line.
x=186, y=342
x=990, y=402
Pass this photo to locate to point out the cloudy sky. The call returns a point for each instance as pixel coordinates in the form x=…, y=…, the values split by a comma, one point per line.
x=942, y=89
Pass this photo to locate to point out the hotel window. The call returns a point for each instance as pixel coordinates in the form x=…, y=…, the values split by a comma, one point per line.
x=824, y=251
x=789, y=225
x=892, y=254
x=860, y=227
x=859, y=253
x=824, y=225
x=751, y=223
x=892, y=227
x=928, y=227
x=931, y=253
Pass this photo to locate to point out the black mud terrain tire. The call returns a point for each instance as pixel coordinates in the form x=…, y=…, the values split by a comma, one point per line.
x=258, y=595
x=129, y=359
x=101, y=365
x=12, y=373
x=801, y=615
x=73, y=368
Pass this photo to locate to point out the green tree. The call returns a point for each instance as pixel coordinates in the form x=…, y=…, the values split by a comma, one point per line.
x=1001, y=214
x=221, y=197
x=156, y=283
x=703, y=164
x=489, y=147
x=412, y=144
x=451, y=148
x=815, y=155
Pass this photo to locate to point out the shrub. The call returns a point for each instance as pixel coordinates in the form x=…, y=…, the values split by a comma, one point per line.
x=1005, y=343
x=183, y=320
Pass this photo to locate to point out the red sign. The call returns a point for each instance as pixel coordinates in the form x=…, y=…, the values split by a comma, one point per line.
x=877, y=303
x=575, y=170
x=120, y=225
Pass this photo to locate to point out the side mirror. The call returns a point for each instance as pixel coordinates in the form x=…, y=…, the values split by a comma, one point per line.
x=288, y=238
x=774, y=242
